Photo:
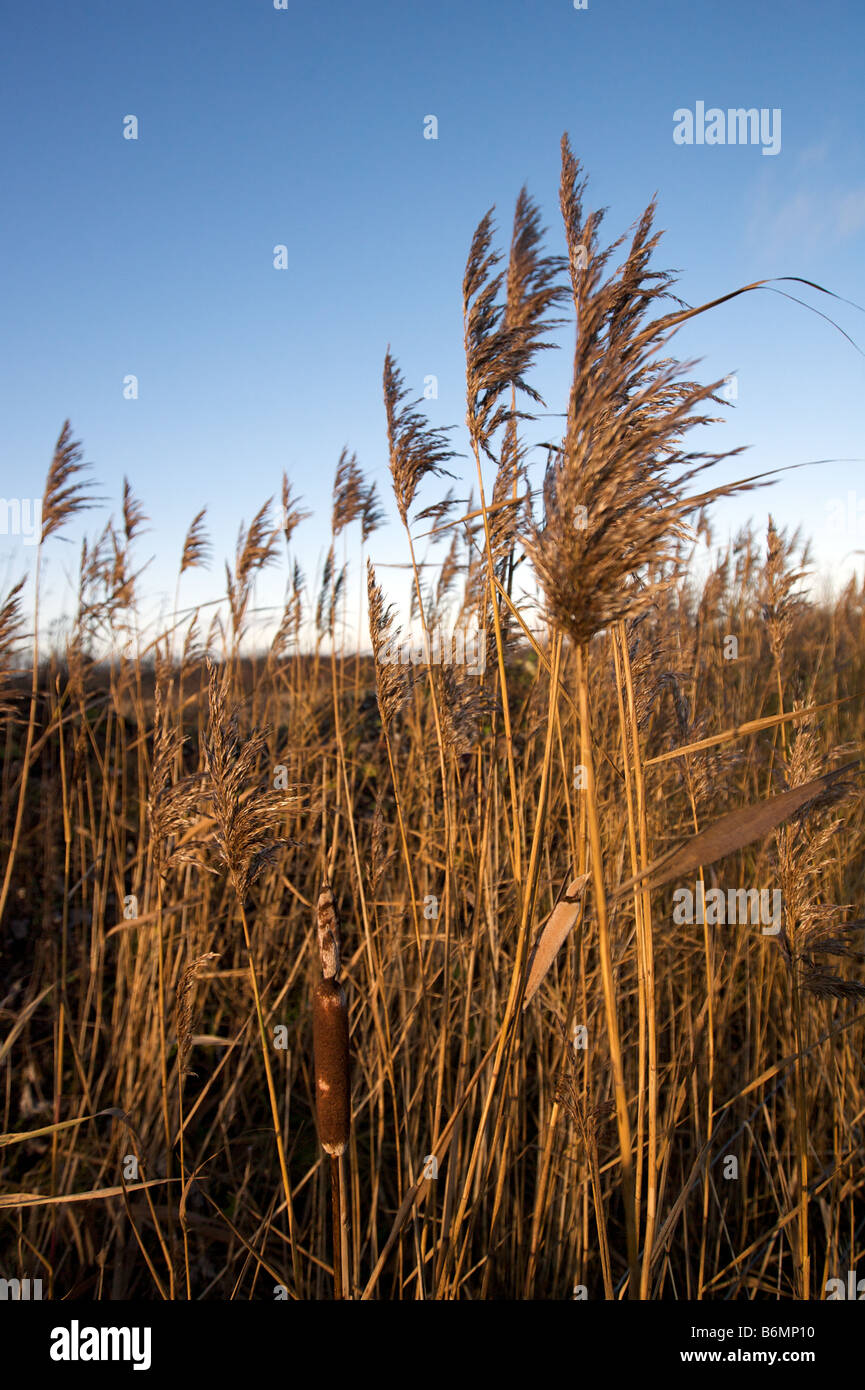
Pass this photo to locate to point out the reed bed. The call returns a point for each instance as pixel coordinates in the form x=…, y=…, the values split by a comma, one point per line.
x=330, y=975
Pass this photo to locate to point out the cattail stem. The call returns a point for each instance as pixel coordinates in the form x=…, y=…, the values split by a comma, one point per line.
x=340, y=1281
x=333, y=1104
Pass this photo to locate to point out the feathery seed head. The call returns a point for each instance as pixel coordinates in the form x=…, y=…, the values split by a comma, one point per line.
x=393, y=679
x=415, y=449
x=65, y=494
x=183, y=1007
x=246, y=810
x=196, y=547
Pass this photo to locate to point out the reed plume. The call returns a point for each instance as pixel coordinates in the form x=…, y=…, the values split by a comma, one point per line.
x=11, y=623
x=66, y=493
x=393, y=678
x=292, y=512
x=246, y=810
x=257, y=549
x=415, y=449
x=184, y=1007
x=197, y=547
x=614, y=491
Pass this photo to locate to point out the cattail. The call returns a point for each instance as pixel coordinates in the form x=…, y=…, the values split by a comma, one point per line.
x=330, y=1045
x=330, y=1036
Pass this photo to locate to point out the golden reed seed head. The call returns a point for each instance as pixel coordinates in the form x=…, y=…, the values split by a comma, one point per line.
x=332, y=1080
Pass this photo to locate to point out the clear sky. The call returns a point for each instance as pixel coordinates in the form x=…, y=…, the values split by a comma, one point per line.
x=304, y=126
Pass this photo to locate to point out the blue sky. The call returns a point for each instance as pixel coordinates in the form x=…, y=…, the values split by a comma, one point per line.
x=305, y=127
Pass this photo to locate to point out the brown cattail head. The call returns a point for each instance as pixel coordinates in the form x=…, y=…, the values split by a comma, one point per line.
x=332, y=1081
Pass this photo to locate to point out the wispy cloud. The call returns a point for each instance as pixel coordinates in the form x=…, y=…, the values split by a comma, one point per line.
x=814, y=154
x=809, y=219
x=851, y=213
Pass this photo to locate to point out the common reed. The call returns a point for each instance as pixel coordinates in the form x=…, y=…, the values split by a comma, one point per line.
x=555, y=1086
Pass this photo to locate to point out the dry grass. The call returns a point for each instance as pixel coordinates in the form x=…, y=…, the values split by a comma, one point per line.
x=554, y=1084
